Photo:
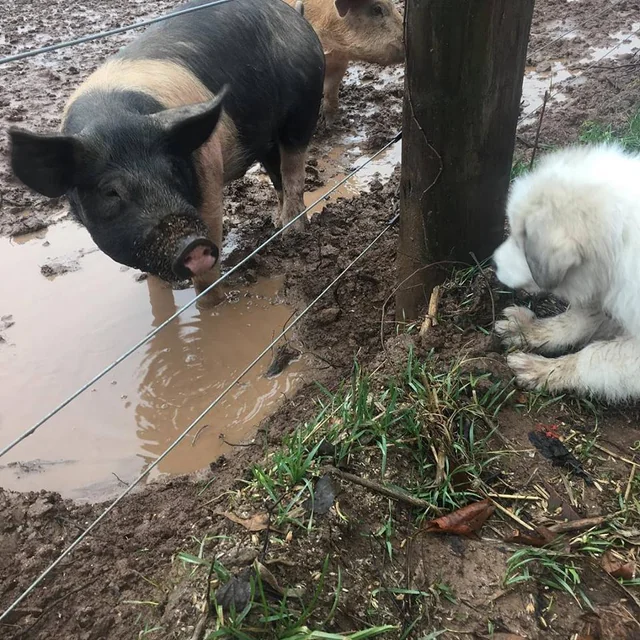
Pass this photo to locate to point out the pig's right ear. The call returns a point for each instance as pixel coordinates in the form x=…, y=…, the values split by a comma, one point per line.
x=44, y=162
x=190, y=126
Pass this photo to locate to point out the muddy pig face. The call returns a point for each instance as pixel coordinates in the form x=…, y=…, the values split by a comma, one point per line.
x=132, y=182
x=373, y=29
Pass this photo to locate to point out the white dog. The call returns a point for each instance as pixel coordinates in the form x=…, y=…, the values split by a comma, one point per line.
x=575, y=232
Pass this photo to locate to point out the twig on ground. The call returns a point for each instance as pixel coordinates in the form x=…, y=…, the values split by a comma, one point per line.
x=397, y=287
x=198, y=632
x=507, y=496
x=200, y=430
x=267, y=531
x=577, y=525
x=530, y=145
x=512, y=515
x=394, y=494
x=547, y=95
x=632, y=598
x=431, y=319
x=119, y=479
x=239, y=444
x=632, y=475
x=614, y=455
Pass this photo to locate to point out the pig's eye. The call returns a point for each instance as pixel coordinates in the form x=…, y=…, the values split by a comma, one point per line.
x=377, y=11
x=111, y=193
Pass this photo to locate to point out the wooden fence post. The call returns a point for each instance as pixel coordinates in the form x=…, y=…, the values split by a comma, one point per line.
x=463, y=84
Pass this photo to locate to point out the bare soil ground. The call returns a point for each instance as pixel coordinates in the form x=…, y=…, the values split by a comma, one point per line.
x=434, y=416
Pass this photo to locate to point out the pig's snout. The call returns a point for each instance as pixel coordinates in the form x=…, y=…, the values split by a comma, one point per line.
x=195, y=256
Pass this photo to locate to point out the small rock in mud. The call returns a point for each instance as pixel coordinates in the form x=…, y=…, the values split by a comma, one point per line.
x=39, y=508
x=235, y=595
x=329, y=251
x=283, y=358
x=327, y=449
x=55, y=269
x=327, y=316
x=324, y=495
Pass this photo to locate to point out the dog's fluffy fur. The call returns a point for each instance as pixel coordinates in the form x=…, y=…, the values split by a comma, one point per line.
x=575, y=232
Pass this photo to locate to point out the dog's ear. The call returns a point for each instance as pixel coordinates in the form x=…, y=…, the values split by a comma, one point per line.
x=550, y=255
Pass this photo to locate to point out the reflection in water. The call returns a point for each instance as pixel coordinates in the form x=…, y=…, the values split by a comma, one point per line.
x=82, y=321
x=189, y=364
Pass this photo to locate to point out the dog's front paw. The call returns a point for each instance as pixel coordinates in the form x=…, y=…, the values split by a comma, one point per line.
x=513, y=329
x=534, y=372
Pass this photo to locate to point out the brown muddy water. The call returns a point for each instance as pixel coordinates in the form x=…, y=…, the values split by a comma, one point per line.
x=67, y=328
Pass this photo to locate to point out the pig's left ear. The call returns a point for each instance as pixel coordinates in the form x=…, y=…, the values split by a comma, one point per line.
x=343, y=6
x=190, y=126
x=45, y=162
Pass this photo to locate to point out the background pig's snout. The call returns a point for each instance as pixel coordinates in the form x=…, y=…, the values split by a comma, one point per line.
x=196, y=255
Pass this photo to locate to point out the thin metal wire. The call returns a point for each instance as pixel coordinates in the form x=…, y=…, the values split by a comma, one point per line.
x=589, y=66
x=184, y=434
x=105, y=34
x=182, y=309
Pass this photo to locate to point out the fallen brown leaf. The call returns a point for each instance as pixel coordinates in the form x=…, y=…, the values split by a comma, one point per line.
x=257, y=522
x=463, y=522
x=618, y=568
x=541, y=537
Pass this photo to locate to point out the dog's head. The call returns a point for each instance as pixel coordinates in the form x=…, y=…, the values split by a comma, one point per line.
x=547, y=211
x=536, y=258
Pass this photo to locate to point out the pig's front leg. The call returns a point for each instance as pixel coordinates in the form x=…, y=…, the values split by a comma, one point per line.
x=336, y=67
x=212, y=212
x=292, y=163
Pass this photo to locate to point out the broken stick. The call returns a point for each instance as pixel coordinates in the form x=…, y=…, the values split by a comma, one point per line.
x=431, y=317
x=577, y=525
x=394, y=494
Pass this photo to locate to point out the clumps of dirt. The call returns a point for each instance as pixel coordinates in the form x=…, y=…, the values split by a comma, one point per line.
x=313, y=179
x=372, y=107
x=18, y=222
x=609, y=96
x=347, y=320
x=54, y=269
x=563, y=30
x=606, y=91
x=6, y=322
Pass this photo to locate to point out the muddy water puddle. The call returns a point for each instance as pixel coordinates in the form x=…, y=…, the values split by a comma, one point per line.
x=62, y=329
x=342, y=160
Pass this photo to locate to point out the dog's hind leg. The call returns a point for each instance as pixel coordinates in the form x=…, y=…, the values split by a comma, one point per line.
x=607, y=369
x=523, y=330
